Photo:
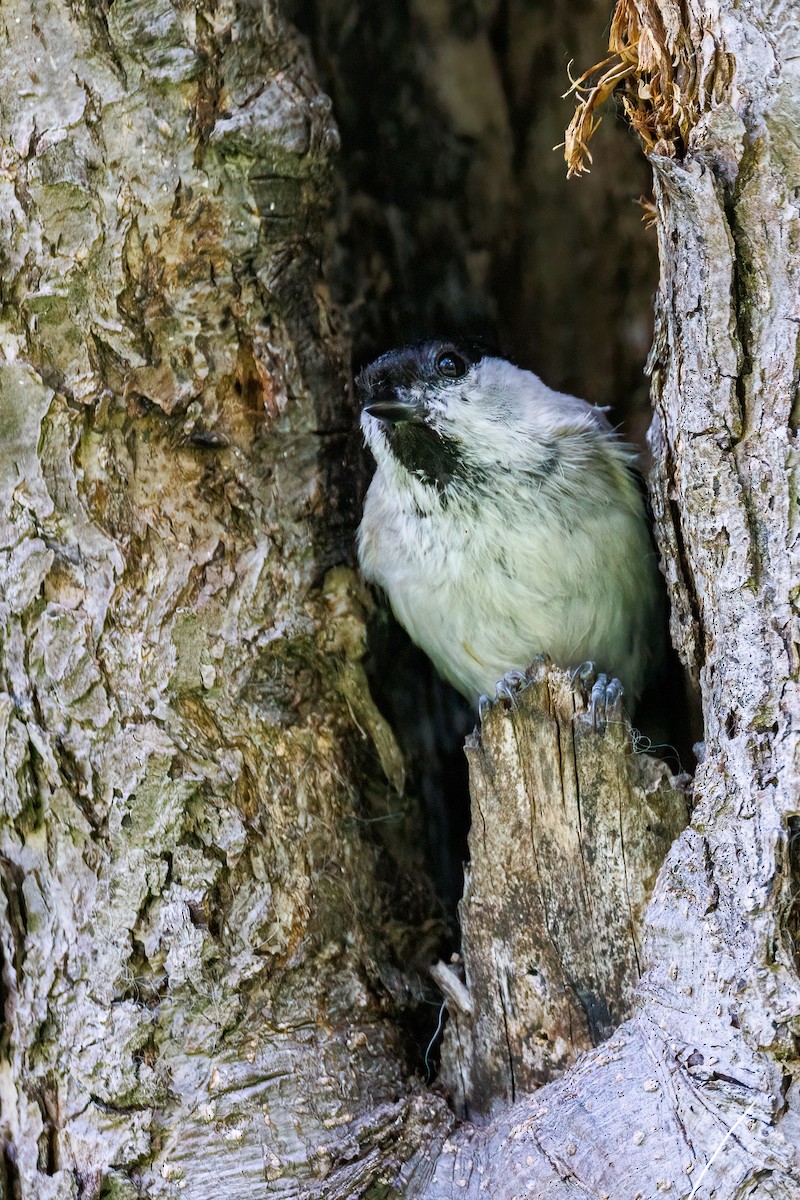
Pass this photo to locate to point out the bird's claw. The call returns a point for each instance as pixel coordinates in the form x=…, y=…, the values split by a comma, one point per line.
x=582, y=676
x=506, y=689
x=606, y=701
x=605, y=694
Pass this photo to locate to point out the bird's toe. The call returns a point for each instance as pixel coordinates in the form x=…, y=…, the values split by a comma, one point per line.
x=606, y=701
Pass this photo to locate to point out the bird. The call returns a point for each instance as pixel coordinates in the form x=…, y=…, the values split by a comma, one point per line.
x=505, y=521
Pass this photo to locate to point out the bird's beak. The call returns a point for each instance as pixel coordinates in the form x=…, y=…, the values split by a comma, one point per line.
x=395, y=411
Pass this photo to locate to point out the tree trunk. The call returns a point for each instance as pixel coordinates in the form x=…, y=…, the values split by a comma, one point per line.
x=207, y=946
x=215, y=927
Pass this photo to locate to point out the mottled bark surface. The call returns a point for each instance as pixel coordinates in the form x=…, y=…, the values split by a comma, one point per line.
x=214, y=921
x=204, y=939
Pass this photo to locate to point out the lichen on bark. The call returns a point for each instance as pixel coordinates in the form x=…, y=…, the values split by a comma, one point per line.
x=213, y=921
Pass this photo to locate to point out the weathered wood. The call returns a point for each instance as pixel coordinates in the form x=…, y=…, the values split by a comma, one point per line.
x=569, y=829
x=208, y=950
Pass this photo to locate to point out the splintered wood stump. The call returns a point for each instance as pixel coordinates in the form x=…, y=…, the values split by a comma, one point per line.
x=569, y=829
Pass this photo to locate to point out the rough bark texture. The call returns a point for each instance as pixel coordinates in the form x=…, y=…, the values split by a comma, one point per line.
x=205, y=958
x=569, y=830
x=212, y=920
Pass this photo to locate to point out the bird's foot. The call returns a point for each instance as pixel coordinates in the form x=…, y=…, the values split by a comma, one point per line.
x=506, y=689
x=605, y=694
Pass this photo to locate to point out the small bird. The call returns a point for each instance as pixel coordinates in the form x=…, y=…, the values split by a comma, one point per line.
x=504, y=521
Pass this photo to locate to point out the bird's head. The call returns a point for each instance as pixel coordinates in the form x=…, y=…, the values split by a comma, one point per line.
x=451, y=412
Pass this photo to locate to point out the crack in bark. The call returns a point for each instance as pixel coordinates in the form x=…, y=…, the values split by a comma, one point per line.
x=10, y=1178
x=46, y=1097
x=741, y=300
x=627, y=885
x=684, y=563
x=791, y=918
x=509, y=1053
x=11, y=880
x=712, y=900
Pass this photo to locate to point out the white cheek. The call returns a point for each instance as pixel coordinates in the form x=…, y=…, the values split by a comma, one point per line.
x=374, y=435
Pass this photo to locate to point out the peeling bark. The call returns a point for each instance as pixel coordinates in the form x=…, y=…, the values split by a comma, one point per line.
x=214, y=928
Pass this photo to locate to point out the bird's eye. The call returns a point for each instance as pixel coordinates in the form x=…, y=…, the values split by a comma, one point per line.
x=451, y=365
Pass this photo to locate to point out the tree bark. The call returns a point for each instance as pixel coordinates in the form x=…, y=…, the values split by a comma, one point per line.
x=569, y=829
x=209, y=946
x=214, y=927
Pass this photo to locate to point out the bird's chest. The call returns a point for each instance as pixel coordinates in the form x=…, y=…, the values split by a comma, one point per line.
x=412, y=550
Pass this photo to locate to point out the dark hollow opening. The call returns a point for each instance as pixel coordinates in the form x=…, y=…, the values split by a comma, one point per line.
x=454, y=215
